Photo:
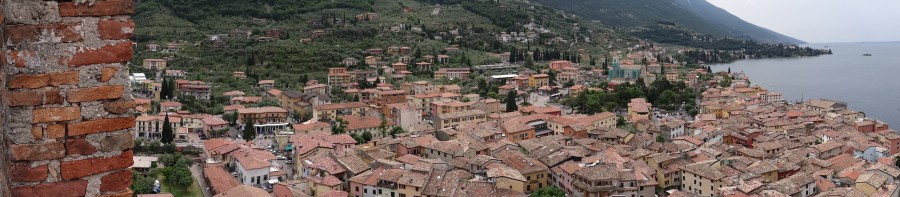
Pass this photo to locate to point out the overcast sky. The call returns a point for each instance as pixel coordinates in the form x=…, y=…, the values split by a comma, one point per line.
x=818, y=21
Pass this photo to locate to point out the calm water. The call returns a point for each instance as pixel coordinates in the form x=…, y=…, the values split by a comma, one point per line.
x=868, y=84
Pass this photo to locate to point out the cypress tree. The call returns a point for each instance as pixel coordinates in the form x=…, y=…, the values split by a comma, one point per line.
x=249, y=133
x=511, y=101
x=167, y=135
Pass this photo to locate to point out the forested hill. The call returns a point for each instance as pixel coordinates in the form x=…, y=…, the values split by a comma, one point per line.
x=427, y=26
x=697, y=15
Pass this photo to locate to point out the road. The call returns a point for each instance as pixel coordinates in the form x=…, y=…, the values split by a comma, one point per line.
x=197, y=172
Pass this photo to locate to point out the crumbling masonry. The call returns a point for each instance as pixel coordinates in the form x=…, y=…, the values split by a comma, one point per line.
x=66, y=115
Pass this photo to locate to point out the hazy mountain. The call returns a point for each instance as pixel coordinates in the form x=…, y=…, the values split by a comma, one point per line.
x=697, y=15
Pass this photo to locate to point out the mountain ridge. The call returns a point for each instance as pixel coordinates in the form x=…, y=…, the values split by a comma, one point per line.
x=697, y=15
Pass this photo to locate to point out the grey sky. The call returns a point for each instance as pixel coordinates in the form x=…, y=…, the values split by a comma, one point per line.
x=818, y=21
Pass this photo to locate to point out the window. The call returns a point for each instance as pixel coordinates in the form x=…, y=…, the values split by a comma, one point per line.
x=357, y=188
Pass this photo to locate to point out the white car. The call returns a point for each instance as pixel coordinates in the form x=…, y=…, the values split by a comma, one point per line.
x=279, y=157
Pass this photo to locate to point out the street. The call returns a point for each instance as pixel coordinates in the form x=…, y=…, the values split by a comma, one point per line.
x=197, y=172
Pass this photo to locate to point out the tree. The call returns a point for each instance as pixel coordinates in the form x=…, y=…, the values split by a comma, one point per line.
x=339, y=126
x=396, y=131
x=897, y=161
x=366, y=137
x=729, y=70
x=660, y=139
x=231, y=117
x=167, y=135
x=620, y=122
x=180, y=177
x=549, y=191
x=383, y=127
x=249, y=132
x=511, y=101
x=140, y=184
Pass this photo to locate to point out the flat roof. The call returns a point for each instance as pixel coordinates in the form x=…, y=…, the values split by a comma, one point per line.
x=504, y=76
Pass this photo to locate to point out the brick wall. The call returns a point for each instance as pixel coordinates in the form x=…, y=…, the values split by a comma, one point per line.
x=66, y=113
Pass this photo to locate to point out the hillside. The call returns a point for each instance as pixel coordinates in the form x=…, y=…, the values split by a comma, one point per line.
x=697, y=15
x=282, y=43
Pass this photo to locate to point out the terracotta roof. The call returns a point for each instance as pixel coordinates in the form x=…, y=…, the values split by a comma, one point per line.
x=274, y=92
x=244, y=191
x=340, y=106
x=214, y=121
x=364, y=122
x=262, y=110
x=219, y=180
x=253, y=159
x=170, y=104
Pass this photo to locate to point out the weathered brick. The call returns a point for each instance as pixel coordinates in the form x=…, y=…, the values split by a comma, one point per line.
x=79, y=146
x=44, y=80
x=116, y=181
x=37, y=152
x=58, y=189
x=56, y=131
x=64, y=78
x=114, y=53
x=52, y=97
x=94, y=93
x=117, y=142
x=62, y=32
x=29, y=81
x=107, y=73
x=18, y=57
x=99, y=8
x=99, y=126
x=37, y=133
x=24, y=98
x=55, y=114
x=87, y=167
x=111, y=29
x=22, y=171
x=118, y=107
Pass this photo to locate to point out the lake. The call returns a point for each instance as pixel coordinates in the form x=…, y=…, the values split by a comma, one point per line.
x=870, y=84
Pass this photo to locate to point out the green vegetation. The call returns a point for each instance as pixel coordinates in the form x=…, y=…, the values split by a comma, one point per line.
x=661, y=93
x=167, y=134
x=549, y=191
x=511, y=105
x=699, y=16
x=249, y=132
x=174, y=177
x=717, y=50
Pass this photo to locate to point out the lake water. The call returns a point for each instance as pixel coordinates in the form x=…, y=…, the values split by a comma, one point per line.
x=869, y=84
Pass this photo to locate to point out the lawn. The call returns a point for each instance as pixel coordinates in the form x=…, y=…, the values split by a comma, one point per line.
x=193, y=190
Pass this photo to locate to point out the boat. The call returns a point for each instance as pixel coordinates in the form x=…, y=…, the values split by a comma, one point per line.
x=867, y=54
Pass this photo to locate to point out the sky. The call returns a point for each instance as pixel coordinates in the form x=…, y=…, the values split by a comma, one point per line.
x=822, y=21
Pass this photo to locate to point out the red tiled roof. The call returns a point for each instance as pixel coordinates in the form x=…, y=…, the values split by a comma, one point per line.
x=219, y=179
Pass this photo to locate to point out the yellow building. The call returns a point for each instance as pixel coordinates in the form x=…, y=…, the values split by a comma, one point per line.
x=505, y=177
x=334, y=110
x=411, y=183
x=870, y=182
x=534, y=171
x=538, y=80
x=701, y=179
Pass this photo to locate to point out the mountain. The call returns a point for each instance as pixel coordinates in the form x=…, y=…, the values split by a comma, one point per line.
x=697, y=15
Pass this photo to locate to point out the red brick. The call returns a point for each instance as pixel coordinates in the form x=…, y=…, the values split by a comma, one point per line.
x=95, y=93
x=64, y=32
x=87, y=167
x=55, y=114
x=52, y=97
x=44, y=80
x=64, y=78
x=116, y=181
x=79, y=146
x=116, y=30
x=99, y=126
x=37, y=133
x=18, y=57
x=99, y=8
x=37, y=152
x=114, y=53
x=25, y=98
x=56, y=131
x=107, y=73
x=118, y=107
x=58, y=189
x=29, y=81
x=22, y=171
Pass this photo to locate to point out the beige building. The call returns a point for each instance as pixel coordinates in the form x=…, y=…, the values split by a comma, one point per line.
x=701, y=179
x=154, y=64
x=454, y=119
x=334, y=110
